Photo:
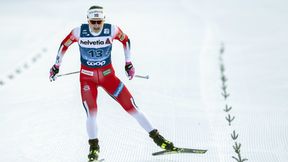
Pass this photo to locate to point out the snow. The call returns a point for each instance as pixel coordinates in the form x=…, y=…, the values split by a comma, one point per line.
x=176, y=43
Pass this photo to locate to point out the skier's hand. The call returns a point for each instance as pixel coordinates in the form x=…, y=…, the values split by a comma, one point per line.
x=130, y=70
x=53, y=71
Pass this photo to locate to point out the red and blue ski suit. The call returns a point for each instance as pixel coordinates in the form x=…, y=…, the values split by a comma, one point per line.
x=96, y=68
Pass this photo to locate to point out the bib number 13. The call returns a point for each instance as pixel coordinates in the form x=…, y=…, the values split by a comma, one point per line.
x=96, y=53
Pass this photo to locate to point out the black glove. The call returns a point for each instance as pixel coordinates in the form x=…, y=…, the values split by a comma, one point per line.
x=130, y=70
x=53, y=71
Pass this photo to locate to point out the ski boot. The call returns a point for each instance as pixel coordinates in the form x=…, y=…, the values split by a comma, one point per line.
x=161, y=141
x=94, y=150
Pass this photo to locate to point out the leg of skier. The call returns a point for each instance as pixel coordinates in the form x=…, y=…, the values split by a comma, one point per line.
x=89, y=94
x=121, y=94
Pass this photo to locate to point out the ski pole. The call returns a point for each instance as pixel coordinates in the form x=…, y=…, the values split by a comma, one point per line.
x=75, y=72
x=142, y=76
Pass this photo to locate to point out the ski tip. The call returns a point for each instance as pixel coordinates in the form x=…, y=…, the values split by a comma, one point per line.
x=200, y=151
x=155, y=153
x=101, y=160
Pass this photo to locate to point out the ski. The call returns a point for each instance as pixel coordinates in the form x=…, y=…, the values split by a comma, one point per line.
x=180, y=150
x=100, y=160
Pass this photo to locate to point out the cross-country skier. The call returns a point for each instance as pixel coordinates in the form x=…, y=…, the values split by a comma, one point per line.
x=95, y=41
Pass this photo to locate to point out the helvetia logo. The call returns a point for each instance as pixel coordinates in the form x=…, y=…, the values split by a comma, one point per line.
x=88, y=42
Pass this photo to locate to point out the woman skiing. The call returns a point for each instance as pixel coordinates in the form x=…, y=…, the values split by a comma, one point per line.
x=95, y=41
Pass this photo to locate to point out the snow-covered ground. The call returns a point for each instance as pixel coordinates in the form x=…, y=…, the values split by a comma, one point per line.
x=181, y=45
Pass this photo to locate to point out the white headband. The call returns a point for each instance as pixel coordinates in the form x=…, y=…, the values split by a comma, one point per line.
x=95, y=14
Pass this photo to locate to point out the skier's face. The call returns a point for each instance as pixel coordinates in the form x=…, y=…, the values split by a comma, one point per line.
x=96, y=24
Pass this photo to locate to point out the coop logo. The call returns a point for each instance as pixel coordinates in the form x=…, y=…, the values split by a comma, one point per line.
x=88, y=42
x=96, y=63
